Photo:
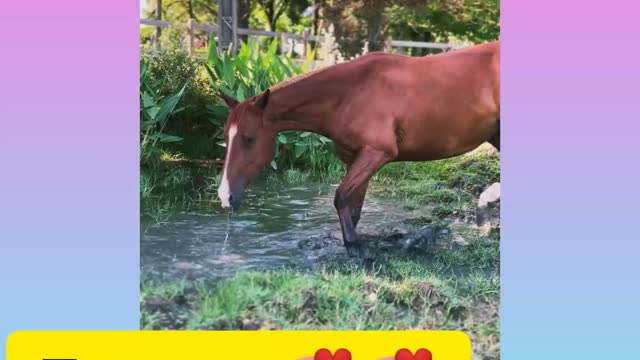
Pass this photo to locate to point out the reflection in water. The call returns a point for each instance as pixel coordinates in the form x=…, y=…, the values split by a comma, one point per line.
x=263, y=234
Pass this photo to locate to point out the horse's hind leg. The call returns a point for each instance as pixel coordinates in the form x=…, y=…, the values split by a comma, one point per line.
x=495, y=139
x=491, y=195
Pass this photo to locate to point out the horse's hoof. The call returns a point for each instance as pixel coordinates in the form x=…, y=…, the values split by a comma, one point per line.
x=353, y=250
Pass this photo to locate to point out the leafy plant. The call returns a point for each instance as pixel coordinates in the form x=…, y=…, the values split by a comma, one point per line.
x=155, y=111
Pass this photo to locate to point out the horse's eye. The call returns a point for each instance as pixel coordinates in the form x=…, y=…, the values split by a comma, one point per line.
x=248, y=140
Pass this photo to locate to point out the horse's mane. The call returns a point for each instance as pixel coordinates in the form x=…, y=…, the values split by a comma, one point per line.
x=295, y=79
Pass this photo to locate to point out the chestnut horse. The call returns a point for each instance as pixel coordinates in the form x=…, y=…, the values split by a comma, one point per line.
x=378, y=108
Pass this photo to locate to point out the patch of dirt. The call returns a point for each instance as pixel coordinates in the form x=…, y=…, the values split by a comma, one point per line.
x=309, y=304
x=403, y=238
x=168, y=313
x=245, y=324
x=164, y=313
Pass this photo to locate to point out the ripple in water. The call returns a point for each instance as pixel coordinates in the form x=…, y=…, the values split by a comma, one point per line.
x=264, y=233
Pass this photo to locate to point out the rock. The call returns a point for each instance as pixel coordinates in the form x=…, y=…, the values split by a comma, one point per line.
x=271, y=325
x=399, y=231
x=458, y=239
x=220, y=325
x=227, y=259
x=155, y=303
x=250, y=324
x=372, y=297
x=183, y=265
x=318, y=242
x=488, y=198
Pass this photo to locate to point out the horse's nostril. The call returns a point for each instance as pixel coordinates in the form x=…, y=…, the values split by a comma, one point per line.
x=230, y=198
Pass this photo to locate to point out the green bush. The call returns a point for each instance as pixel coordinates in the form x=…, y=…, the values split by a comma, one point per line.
x=155, y=111
x=172, y=67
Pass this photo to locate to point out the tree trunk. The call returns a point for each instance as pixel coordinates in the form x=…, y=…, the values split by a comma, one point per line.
x=375, y=24
x=244, y=10
x=190, y=9
x=316, y=17
x=270, y=11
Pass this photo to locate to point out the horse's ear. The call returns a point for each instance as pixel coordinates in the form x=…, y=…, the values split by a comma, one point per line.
x=263, y=99
x=231, y=102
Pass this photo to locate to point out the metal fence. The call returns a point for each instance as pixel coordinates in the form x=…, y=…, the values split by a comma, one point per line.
x=303, y=38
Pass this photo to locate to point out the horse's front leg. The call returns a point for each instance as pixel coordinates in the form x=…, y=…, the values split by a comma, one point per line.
x=350, y=193
x=358, y=203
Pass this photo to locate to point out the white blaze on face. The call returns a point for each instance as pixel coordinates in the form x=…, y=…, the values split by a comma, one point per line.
x=224, y=191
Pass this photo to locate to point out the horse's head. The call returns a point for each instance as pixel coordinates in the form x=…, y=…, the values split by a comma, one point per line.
x=250, y=146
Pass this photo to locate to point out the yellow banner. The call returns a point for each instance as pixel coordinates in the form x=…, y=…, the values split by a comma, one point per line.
x=238, y=345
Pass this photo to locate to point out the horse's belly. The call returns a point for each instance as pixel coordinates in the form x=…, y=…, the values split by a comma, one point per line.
x=445, y=139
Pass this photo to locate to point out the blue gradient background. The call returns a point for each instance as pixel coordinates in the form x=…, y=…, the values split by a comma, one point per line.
x=570, y=175
x=69, y=256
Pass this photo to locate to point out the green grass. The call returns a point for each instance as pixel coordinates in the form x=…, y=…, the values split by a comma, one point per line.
x=450, y=187
x=299, y=176
x=172, y=183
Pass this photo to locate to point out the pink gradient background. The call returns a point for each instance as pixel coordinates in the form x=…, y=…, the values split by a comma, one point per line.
x=69, y=208
x=69, y=256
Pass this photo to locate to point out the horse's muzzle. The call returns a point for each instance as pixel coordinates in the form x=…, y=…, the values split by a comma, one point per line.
x=229, y=199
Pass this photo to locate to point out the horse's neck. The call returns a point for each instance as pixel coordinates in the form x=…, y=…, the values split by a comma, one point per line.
x=305, y=105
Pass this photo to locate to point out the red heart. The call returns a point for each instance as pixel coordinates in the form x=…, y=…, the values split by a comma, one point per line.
x=325, y=354
x=405, y=354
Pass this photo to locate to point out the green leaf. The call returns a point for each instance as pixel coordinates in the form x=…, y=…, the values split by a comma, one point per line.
x=282, y=138
x=240, y=94
x=212, y=52
x=147, y=100
x=227, y=72
x=273, y=47
x=169, y=138
x=284, y=67
x=218, y=124
x=152, y=113
x=167, y=105
x=212, y=75
x=245, y=52
x=218, y=110
x=274, y=165
x=143, y=70
x=311, y=55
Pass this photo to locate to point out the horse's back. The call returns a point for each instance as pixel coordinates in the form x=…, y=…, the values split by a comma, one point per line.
x=443, y=105
x=420, y=108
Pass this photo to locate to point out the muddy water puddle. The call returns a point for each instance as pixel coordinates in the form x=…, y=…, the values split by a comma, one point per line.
x=276, y=227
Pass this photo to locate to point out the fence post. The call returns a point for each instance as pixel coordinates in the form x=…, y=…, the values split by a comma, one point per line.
x=305, y=41
x=228, y=24
x=191, y=35
x=387, y=46
x=234, y=25
x=282, y=43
